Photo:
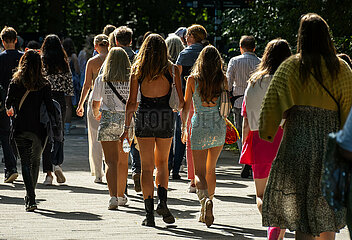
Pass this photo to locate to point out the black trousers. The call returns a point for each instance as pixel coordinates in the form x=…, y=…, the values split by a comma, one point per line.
x=30, y=148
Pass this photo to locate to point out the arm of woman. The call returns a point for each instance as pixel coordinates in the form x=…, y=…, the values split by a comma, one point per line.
x=97, y=97
x=245, y=129
x=88, y=80
x=186, y=107
x=96, y=107
x=179, y=68
x=179, y=87
x=131, y=105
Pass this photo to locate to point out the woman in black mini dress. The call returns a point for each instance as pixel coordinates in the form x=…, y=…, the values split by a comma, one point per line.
x=154, y=124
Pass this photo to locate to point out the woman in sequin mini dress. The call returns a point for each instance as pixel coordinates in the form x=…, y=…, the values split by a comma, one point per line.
x=205, y=85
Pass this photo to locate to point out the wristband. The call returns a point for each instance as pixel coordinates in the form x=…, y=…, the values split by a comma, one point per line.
x=126, y=127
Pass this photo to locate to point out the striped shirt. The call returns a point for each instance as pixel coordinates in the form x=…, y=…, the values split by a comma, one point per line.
x=238, y=72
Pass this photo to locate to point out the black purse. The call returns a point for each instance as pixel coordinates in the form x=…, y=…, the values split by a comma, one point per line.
x=335, y=182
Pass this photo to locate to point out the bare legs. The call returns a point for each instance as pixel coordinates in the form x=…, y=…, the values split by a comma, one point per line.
x=154, y=151
x=205, y=179
x=117, y=167
x=260, y=185
x=204, y=165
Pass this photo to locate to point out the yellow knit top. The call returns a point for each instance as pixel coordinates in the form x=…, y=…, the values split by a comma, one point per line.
x=286, y=90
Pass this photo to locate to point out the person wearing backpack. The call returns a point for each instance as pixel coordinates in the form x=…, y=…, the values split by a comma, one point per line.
x=27, y=91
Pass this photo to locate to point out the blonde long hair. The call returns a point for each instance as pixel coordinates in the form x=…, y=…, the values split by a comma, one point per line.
x=151, y=60
x=117, y=67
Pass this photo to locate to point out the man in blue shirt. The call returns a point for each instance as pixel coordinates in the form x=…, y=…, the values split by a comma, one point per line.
x=8, y=62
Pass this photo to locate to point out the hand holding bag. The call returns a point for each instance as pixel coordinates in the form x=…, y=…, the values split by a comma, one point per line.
x=174, y=101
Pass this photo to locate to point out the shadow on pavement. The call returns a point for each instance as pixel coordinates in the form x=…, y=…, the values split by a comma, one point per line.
x=69, y=215
x=246, y=232
x=20, y=186
x=236, y=199
x=191, y=233
x=74, y=189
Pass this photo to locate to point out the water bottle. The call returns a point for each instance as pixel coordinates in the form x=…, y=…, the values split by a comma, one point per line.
x=126, y=146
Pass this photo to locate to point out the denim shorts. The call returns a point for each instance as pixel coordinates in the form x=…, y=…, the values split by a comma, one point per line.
x=111, y=126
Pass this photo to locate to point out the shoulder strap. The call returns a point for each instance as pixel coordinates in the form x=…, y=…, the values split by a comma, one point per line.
x=337, y=103
x=173, y=74
x=169, y=77
x=22, y=99
x=116, y=92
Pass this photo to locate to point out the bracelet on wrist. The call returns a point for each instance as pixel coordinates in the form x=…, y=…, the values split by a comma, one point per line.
x=126, y=127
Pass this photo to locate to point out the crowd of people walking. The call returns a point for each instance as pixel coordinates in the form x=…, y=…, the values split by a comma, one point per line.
x=163, y=103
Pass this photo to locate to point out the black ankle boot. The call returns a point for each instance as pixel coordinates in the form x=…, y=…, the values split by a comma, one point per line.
x=149, y=208
x=162, y=208
x=30, y=203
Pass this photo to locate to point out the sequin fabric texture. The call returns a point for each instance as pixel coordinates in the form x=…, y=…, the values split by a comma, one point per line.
x=208, y=127
x=111, y=126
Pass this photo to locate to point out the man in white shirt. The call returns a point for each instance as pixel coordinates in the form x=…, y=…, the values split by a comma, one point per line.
x=239, y=70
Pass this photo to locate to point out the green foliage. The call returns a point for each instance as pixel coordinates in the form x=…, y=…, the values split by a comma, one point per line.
x=77, y=18
x=266, y=20
x=270, y=19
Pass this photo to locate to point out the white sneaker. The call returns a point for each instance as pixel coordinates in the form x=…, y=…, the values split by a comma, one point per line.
x=192, y=188
x=60, y=178
x=113, y=203
x=122, y=201
x=48, y=180
x=98, y=180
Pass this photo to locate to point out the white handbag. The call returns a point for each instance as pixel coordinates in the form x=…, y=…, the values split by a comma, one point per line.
x=174, y=101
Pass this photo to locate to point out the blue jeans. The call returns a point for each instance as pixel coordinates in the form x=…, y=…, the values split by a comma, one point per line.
x=135, y=159
x=9, y=157
x=177, y=150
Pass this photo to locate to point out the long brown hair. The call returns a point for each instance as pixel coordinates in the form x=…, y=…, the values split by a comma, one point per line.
x=30, y=71
x=55, y=59
x=151, y=60
x=276, y=51
x=314, y=42
x=208, y=73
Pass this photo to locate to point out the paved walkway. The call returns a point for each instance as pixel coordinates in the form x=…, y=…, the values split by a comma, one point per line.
x=78, y=208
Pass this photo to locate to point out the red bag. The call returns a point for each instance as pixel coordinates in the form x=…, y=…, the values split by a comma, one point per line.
x=231, y=133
